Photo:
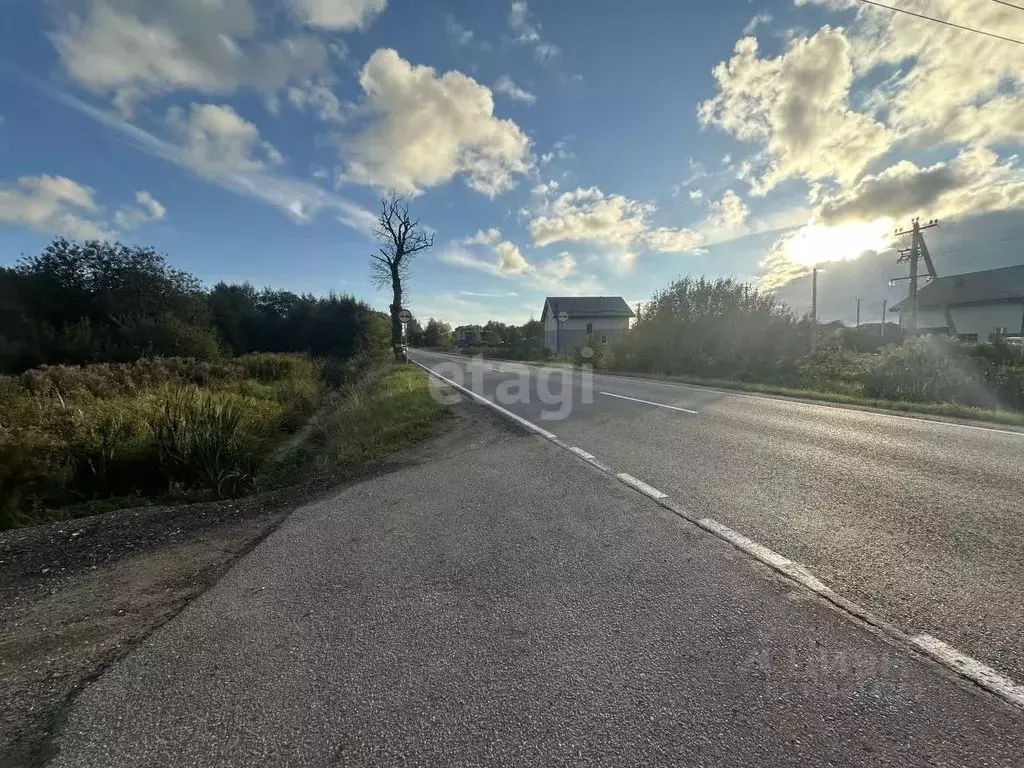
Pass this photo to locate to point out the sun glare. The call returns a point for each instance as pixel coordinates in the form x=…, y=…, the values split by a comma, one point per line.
x=816, y=243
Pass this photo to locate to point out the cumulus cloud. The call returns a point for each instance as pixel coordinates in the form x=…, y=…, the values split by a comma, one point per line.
x=54, y=205
x=507, y=87
x=510, y=258
x=973, y=182
x=219, y=141
x=590, y=215
x=797, y=106
x=951, y=85
x=148, y=209
x=622, y=226
x=339, y=14
x=140, y=48
x=454, y=131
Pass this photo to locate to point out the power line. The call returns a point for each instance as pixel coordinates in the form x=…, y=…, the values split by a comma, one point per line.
x=943, y=21
x=1009, y=5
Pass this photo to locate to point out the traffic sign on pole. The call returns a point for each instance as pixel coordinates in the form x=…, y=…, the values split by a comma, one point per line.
x=405, y=317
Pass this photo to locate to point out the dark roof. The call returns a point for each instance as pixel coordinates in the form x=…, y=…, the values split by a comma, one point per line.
x=992, y=285
x=588, y=306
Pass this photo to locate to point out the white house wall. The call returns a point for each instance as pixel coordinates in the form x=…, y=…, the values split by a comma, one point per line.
x=573, y=333
x=980, y=319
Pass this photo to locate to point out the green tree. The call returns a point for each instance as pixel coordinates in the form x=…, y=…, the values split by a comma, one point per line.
x=437, y=334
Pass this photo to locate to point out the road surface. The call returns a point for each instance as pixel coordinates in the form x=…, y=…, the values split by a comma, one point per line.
x=503, y=603
x=919, y=521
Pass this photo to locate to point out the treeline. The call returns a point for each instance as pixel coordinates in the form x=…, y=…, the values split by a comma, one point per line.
x=79, y=303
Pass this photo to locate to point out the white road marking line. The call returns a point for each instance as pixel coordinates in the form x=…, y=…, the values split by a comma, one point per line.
x=971, y=668
x=581, y=453
x=767, y=556
x=648, y=402
x=488, y=402
x=640, y=485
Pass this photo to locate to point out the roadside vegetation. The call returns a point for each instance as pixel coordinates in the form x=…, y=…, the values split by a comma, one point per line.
x=126, y=383
x=727, y=334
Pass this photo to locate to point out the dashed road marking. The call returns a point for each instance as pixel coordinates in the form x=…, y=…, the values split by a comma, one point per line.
x=640, y=485
x=649, y=402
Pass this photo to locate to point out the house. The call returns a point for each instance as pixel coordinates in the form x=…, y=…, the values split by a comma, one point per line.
x=973, y=306
x=591, y=320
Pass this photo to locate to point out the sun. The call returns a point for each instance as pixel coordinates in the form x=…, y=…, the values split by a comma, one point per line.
x=817, y=243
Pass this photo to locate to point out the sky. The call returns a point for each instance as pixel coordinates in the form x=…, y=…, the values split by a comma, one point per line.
x=553, y=147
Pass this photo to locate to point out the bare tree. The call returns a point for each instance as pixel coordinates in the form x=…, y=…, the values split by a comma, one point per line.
x=402, y=238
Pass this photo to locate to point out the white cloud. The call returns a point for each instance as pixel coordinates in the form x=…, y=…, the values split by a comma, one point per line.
x=54, y=205
x=454, y=131
x=953, y=86
x=339, y=14
x=298, y=198
x=484, y=237
x=762, y=18
x=622, y=226
x=140, y=48
x=797, y=106
x=459, y=33
x=510, y=258
x=149, y=209
x=527, y=32
x=507, y=261
x=316, y=96
x=696, y=194
x=588, y=215
x=507, y=87
x=973, y=182
x=219, y=141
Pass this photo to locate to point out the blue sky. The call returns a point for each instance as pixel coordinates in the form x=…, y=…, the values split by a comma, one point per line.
x=555, y=147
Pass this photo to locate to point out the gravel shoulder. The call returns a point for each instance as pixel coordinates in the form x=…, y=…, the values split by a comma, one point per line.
x=76, y=596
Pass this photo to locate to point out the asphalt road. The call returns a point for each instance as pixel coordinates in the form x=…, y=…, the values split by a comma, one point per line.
x=919, y=521
x=502, y=603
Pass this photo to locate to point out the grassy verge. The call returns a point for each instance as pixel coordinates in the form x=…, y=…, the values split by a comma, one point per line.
x=81, y=441
x=386, y=409
x=946, y=410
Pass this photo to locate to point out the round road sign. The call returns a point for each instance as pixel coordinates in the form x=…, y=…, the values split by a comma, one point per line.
x=405, y=316
x=563, y=316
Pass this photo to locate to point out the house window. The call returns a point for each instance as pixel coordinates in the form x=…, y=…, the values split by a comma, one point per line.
x=590, y=328
x=1000, y=330
x=604, y=339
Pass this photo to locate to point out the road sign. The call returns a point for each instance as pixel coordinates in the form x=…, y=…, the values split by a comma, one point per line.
x=563, y=316
x=405, y=316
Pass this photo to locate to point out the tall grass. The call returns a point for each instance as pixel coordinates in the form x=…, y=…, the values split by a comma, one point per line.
x=71, y=436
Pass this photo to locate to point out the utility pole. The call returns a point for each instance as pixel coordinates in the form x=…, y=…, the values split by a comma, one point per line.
x=885, y=306
x=858, y=311
x=814, y=309
x=918, y=250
